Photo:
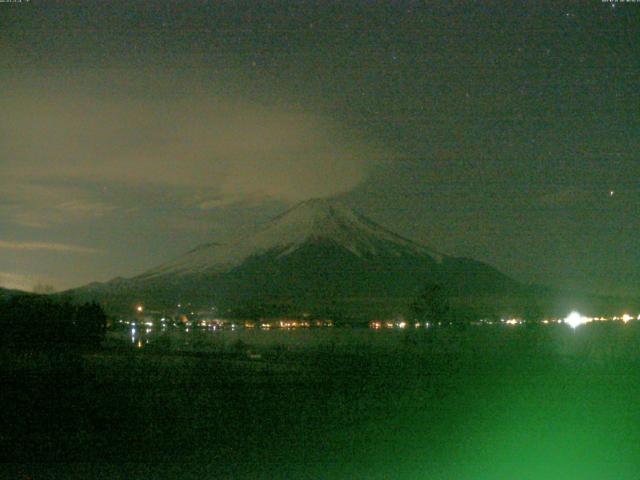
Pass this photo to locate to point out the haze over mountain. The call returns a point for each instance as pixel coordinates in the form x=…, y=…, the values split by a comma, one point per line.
x=319, y=257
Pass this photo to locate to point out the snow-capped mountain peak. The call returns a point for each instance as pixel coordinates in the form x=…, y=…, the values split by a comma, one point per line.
x=311, y=221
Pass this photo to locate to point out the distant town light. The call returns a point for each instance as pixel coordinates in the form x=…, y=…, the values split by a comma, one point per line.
x=626, y=317
x=574, y=320
x=139, y=309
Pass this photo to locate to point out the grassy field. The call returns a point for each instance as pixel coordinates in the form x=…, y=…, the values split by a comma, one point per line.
x=484, y=403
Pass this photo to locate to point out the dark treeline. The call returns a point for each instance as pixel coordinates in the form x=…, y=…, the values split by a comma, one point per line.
x=38, y=322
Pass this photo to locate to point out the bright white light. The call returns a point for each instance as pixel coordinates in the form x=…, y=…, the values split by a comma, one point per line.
x=574, y=320
x=139, y=308
x=626, y=317
x=402, y=324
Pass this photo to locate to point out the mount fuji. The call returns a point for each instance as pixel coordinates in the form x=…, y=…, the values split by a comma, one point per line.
x=314, y=222
x=320, y=257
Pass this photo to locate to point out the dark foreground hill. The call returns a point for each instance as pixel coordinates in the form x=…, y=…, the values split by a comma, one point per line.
x=7, y=293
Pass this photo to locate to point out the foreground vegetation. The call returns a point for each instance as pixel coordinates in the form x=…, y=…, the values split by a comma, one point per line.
x=39, y=323
x=480, y=403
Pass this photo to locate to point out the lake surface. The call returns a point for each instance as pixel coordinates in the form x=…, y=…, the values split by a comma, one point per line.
x=224, y=339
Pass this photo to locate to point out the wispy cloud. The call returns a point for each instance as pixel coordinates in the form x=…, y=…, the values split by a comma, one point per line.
x=48, y=246
x=38, y=282
x=204, y=202
x=16, y=281
x=217, y=202
x=85, y=208
x=232, y=146
x=39, y=205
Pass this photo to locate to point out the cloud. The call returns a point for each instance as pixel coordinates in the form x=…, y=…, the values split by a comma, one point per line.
x=26, y=282
x=80, y=208
x=217, y=202
x=203, y=201
x=39, y=204
x=206, y=202
x=201, y=139
x=16, y=281
x=47, y=246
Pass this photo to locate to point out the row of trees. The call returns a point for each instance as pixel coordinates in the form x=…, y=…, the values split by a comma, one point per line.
x=38, y=322
x=438, y=305
x=432, y=305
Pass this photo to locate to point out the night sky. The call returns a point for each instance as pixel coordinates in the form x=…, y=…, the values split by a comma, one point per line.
x=504, y=131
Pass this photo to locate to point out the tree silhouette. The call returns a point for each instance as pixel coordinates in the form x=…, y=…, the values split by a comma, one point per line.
x=37, y=322
x=431, y=305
